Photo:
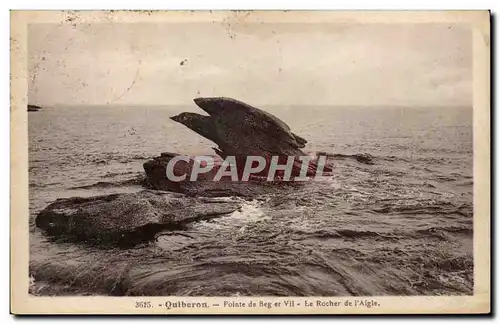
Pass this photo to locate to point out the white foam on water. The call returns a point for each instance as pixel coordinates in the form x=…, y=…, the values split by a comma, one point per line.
x=223, y=199
x=249, y=212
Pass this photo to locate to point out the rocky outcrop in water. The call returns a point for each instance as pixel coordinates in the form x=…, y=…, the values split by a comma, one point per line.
x=238, y=129
x=241, y=130
x=364, y=158
x=127, y=219
x=34, y=108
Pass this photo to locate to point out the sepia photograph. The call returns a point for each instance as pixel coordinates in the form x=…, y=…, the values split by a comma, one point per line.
x=244, y=154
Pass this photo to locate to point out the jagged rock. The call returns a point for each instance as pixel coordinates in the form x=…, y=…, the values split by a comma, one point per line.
x=127, y=219
x=239, y=130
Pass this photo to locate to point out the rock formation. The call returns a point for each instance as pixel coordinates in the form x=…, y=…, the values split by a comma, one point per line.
x=238, y=129
x=126, y=219
x=34, y=108
x=364, y=158
x=241, y=130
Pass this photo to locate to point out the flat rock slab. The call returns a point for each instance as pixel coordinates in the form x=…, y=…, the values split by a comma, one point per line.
x=127, y=219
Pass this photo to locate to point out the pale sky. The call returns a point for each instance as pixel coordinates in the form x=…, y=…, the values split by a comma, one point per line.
x=263, y=64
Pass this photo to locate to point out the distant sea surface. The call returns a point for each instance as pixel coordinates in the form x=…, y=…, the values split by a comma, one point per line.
x=402, y=226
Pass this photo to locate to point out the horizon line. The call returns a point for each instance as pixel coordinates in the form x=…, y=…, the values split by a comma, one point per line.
x=58, y=105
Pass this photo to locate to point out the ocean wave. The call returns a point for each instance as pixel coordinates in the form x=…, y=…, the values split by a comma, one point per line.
x=139, y=180
x=250, y=212
x=441, y=231
x=268, y=267
x=115, y=174
x=43, y=185
x=344, y=233
x=66, y=161
x=427, y=208
x=364, y=158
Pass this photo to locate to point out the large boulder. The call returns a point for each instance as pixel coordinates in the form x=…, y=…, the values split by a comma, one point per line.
x=240, y=131
x=127, y=219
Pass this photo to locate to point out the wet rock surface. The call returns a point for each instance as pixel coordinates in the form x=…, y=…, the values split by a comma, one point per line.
x=127, y=219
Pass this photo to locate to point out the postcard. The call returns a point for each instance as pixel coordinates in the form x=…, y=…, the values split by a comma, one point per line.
x=250, y=162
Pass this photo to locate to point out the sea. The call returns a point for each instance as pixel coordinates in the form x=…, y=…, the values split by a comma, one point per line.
x=400, y=226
